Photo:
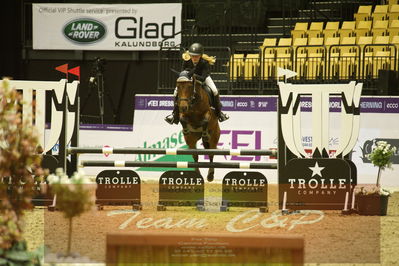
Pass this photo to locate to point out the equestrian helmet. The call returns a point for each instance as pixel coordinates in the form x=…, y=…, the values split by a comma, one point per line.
x=196, y=49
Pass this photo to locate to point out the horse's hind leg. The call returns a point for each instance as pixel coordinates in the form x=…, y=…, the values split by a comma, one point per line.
x=211, y=171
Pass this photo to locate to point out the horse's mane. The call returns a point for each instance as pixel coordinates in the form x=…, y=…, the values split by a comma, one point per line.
x=211, y=59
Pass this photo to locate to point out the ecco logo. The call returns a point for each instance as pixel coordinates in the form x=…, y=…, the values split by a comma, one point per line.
x=84, y=31
x=392, y=105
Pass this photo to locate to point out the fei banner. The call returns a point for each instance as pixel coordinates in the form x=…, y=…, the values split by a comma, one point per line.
x=121, y=27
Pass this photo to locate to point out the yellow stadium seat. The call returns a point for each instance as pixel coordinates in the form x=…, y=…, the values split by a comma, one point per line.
x=268, y=50
x=379, y=42
x=380, y=13
x=393, y=7
x=380, y=28
x=300, y=55
x=315, y=62
x=393, y=12
x=363, y=28
x=284, y=54
x=331, y=29
x=392, y=2
x=349, y=58
x=315, y=41
x=366, y=54
x=300, y=30
x=364, y=40
x=315, y=30
x=236, y=66
x=347, y=29
x=364, y=43
x=332, y=41
x=394, y=23
x=384, y=56
x=251, y=66
x=332, y=50
x=363, y=13
x=269, y=42
x=393, y=29
x=395, y=41
x=283, y=46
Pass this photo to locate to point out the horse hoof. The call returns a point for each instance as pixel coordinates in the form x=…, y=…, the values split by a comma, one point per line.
x=209, y=178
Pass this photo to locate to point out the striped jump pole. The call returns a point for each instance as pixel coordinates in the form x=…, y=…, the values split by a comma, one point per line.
x=110, y=150
x=242, y=165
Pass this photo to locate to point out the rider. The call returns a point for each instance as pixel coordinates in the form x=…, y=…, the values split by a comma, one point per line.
x=197, y=63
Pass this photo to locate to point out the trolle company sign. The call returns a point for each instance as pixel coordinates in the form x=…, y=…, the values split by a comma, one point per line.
x=320, y=180
x=106, y=27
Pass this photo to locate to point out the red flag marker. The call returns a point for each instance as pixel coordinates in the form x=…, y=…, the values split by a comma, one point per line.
x=75, y=71
x=63, y=68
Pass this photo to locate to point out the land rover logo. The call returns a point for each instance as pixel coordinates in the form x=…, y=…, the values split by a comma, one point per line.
x=84, y=31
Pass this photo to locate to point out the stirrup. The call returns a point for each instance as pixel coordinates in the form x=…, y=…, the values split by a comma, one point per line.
x=223, y=117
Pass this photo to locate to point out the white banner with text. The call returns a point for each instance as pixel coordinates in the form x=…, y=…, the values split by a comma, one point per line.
x=133, y=27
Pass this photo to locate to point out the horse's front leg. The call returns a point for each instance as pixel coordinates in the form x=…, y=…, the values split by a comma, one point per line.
x=206, y=136
x=184, y=124
x=191, y=141
x=211, y=171
x=192, y=144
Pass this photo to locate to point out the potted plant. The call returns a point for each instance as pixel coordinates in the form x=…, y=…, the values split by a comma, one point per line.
x=74, y=196
x=373, y=199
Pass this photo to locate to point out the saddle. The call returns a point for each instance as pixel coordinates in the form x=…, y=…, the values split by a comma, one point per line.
x=211, y=97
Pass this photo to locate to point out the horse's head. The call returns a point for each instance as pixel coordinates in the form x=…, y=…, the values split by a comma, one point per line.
x=187, y=89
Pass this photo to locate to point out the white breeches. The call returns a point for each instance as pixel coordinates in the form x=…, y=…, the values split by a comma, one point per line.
x=209, y=82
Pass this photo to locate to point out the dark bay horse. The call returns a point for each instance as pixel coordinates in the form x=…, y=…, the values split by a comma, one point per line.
x=196, y=116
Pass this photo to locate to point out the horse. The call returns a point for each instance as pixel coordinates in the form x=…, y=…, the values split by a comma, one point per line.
x=197, y=118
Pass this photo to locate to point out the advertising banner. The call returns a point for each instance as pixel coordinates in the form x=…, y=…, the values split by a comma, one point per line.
x=252, y=125
x=121, y=27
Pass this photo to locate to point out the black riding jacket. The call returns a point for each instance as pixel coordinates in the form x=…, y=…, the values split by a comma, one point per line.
x=201, y=69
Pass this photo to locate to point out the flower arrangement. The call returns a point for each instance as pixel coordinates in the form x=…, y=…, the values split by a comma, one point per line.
x=19, y=162
x=371, y=190
x=73, y=196
x=380, y=156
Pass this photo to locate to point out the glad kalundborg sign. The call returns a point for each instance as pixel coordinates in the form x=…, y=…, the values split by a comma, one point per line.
x=130, y=27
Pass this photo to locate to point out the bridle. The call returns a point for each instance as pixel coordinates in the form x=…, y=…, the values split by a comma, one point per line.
x=195, y=96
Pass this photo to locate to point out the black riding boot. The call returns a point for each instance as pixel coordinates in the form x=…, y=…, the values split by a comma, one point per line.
x=173, y=118
x=218, y=110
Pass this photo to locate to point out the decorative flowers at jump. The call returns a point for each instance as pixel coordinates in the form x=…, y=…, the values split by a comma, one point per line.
x=74, y=196
x=380, y=156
